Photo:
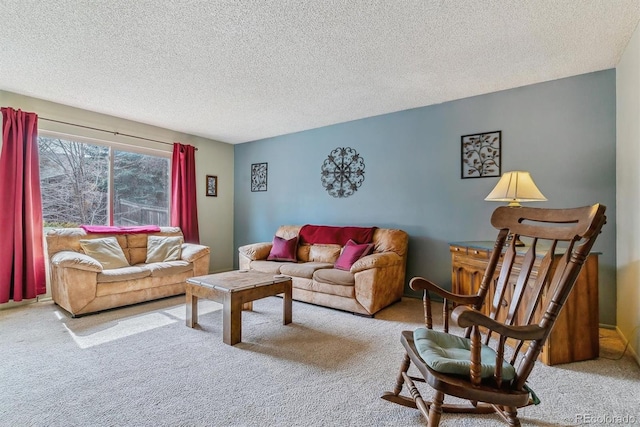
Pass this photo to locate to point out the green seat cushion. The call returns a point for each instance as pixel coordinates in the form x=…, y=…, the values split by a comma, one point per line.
x=450, y=354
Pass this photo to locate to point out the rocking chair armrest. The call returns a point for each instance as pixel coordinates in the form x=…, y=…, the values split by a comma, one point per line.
x=466, y=317
x=422, y=284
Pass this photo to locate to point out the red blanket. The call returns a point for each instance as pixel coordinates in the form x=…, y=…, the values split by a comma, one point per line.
x=325, y=234
x=108, y=229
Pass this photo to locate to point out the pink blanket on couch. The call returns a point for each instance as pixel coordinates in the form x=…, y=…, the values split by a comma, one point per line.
x=112, y=229
x=325, y=234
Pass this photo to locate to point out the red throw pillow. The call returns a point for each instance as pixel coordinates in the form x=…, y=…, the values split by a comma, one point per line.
x=283, y=250
x=351, y=253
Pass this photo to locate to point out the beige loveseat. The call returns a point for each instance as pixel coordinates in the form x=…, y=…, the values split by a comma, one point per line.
x=372, y=283
x=80, y=284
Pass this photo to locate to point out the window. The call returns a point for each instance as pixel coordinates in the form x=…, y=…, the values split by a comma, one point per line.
x=85, y=183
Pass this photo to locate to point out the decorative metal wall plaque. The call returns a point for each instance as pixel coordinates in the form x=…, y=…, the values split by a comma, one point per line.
x=481, y=154
x=259, y=177
x=342, y=172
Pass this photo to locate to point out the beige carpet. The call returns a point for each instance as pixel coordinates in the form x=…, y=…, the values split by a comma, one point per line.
x=141, y=366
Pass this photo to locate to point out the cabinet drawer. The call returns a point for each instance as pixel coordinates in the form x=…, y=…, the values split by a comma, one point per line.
x=460, y=261
x=455, y=249
x=478, y=253
x=464, y=251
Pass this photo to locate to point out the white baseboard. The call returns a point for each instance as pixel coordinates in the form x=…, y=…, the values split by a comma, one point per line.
x=13, y=304
x=628, y=346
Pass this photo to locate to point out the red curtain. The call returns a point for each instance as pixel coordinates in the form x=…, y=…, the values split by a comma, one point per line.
x=22, y=274
x=184, y=212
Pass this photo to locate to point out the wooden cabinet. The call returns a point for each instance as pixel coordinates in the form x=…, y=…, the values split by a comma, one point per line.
x=575, y=334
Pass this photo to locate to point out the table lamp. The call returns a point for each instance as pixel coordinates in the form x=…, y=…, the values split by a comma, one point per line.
x=515, y=187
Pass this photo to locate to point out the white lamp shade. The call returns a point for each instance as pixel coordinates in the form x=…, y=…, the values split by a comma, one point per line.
x=515, y=187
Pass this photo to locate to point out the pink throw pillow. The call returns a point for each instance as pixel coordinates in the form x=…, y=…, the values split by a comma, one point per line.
x=283, y=250
x=351, y=253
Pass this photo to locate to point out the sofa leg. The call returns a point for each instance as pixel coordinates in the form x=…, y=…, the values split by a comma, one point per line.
x=370, y=316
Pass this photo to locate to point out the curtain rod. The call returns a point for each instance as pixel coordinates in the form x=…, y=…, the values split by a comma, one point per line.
x=107, y=131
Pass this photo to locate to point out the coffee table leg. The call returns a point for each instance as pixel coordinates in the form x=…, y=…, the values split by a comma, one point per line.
x=192, y=309
x=287, y=304
x=231, y=319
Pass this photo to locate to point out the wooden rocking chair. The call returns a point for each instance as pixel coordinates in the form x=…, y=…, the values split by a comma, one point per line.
x=476, y=367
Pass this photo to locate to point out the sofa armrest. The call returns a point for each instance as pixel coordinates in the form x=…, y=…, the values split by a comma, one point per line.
x=256, y=251
x=77, y=260
x=198, y=255
x=192, y=252
x=379, y=260
x=379, y=280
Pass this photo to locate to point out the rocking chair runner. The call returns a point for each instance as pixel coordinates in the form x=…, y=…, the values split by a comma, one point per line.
x=478, y=367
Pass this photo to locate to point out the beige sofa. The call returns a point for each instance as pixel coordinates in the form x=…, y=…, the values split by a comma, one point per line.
x=373, y=282
x=80, y=284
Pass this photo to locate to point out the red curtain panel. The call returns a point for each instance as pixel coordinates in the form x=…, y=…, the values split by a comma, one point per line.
x=184, y=212
x=22, y=273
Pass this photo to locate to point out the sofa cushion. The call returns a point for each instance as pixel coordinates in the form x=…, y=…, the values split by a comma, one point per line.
x=334, y=276
x=137, y=244
x=168, y=268
x=124, y=273
x=288, y=231
x=390, y=240
x=324, y=253
x=345, y=291
x=137, y=255
x=303, y=252
x=304, y=269
x=351, y=253
x=138, y=240
x=163, y=248
x=283, y=249
x=272, y=267
x=106, y=251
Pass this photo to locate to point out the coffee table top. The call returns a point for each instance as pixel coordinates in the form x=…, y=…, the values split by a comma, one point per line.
x=237, y=280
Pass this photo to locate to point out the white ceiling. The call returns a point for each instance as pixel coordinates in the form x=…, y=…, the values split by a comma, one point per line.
x=237, y=71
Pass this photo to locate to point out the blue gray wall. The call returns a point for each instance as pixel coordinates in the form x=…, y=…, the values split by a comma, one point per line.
x=562, y=131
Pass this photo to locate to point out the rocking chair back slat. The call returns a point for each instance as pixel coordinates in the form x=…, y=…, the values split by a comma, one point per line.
x=503, y=278
x=536, y=290
x=521, y=283
x=491, y=266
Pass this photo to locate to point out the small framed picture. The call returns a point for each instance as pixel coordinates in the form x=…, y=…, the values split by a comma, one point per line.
x=481, y=154
x=212, y=186
x=259, y=177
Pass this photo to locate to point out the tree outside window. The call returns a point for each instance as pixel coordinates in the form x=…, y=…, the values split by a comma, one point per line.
x=75, y=182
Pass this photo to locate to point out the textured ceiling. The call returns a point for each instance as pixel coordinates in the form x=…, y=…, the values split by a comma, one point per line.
x=237, y=71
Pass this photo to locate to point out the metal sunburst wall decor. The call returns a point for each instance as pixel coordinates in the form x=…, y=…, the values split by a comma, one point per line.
x=342, y=172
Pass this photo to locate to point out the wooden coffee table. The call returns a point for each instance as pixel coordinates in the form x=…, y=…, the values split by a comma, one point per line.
x=235, y=289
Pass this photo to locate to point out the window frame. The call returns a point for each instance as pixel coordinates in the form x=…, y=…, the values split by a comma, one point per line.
x=111, y=145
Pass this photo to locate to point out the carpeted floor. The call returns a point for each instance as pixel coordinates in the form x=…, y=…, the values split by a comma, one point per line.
x=141, y=366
